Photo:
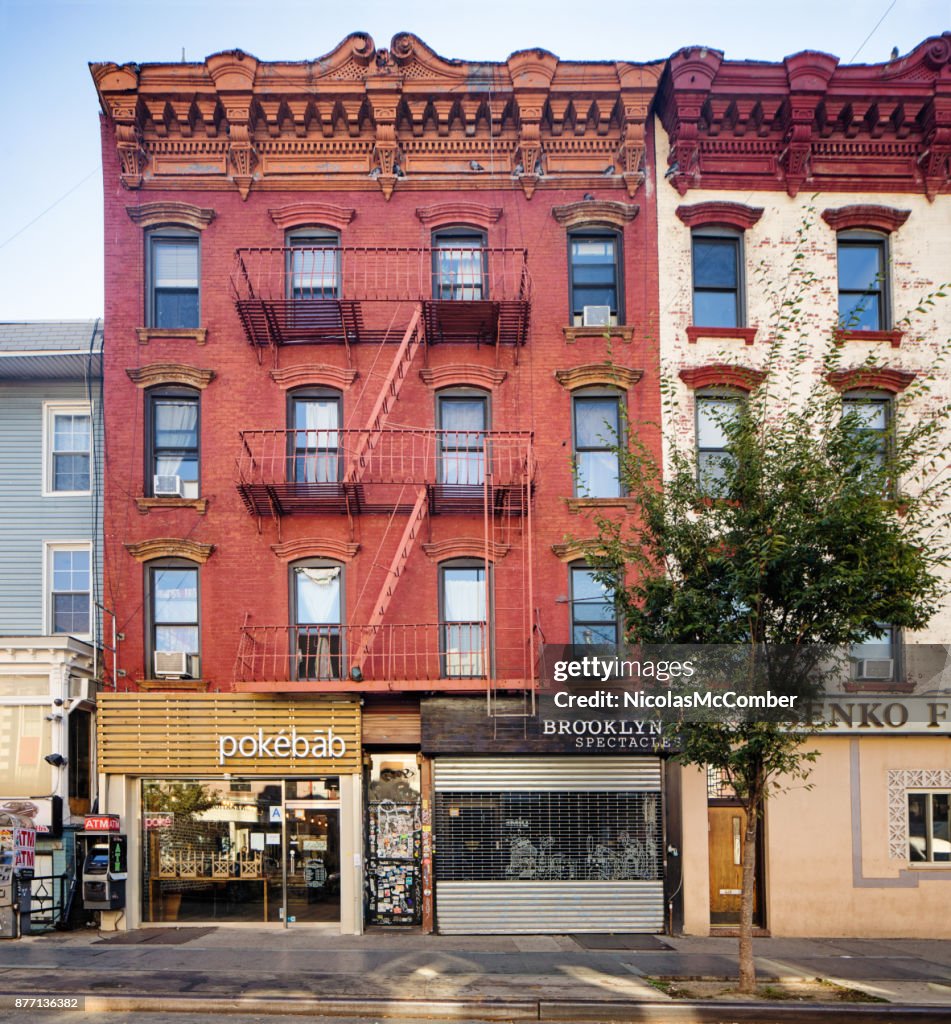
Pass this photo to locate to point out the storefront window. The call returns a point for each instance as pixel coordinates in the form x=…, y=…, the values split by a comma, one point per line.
x=27, y=734
x=217, y=850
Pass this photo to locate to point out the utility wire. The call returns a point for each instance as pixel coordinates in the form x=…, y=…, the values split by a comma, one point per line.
x=874, y=30
x=16, y=234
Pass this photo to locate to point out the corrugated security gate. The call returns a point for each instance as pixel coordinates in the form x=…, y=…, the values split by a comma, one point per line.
x=548, y=844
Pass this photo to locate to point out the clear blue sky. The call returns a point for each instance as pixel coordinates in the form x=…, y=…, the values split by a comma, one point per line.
x=53, y=267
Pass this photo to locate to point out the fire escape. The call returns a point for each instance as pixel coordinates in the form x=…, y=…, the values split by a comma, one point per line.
x=406, y=476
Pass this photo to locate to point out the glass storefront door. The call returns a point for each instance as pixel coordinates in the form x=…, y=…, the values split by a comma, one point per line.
x=241, y=850
x=312, y=861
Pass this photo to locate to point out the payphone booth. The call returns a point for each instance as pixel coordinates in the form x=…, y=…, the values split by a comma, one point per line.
x=105, y=862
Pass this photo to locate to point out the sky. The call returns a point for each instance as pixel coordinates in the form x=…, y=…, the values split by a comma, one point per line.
x=51, y=201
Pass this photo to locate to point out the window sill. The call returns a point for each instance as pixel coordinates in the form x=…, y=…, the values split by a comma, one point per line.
x=878, y=686
x=147, y=334
x=197, y=685
x=894, y=338
x=917, y=865
x=573, y=334
x=745, y=334
x=145, y=505
x=578, y=504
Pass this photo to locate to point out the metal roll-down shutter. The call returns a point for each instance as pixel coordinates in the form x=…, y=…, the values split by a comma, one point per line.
x=548, y=844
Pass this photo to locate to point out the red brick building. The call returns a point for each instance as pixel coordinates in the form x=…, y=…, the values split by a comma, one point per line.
x=371, y=322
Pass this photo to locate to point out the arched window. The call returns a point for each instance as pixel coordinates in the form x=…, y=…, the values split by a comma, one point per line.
x=873, y=412
x=172, y=277
x=718, y=289
x=317, y=599
x=313, y=263
x=314, y=454
x=597, y=432
x=460, y=266
x=462, y=419
x=464, y=642
x=595, y=279
x=172, y=443
x=173, y=643
x=863, y=280
x=594, y=618
x=716, y=408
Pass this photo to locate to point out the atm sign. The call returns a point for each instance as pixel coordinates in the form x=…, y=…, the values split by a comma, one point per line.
x=101, y=823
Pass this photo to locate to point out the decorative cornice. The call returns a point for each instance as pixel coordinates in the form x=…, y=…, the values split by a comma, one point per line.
x=809, y=122
x=865, y=215
x=608, y=374
x=170, y=373
x=319, y=374
x=459, y=212
x=316, y=547
x=745, y=334
x=170, y=547
x=461, y=374
x=595, y=211
x=465, y=547
x=149, y=215
x=734, y=215
x=197, y=334
x=879, y=378
x=363, y=117
x=722, y=375
x=572, y=550
x=312, y=213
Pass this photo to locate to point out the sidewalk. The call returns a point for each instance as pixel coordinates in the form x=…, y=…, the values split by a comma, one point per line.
x=533, y=974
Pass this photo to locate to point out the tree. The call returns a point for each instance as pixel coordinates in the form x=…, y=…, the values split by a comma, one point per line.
x=185, y=800
x=805, y=533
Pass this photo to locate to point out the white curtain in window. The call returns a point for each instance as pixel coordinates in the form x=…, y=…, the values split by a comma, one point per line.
x=318, y=595
x=464, y=595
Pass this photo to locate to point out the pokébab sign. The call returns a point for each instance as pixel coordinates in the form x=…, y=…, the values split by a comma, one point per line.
x=291, y=745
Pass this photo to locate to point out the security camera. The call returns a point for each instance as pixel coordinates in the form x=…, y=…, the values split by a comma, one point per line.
x=56, y=760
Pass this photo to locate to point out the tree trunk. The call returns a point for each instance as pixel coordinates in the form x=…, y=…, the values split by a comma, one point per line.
x=747, y=966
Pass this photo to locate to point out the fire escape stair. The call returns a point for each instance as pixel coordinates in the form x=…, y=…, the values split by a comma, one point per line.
x=413, y=339
x=391, y=581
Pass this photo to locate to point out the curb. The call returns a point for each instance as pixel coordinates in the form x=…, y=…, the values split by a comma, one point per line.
x=668, y=1012
x=437, y=1009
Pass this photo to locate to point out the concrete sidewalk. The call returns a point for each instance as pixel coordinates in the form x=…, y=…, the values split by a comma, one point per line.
x=403, y=968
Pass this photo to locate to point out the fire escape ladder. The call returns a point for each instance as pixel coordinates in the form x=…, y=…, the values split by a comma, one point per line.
x=386, y=399
x=391, y=581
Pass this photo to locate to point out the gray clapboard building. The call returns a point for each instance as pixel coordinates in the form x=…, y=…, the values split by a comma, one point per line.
x=50, y=560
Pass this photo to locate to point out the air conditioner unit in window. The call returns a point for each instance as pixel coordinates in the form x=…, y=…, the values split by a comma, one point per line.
x=175, y=665
x=596, y=316
x=875, y=668
x=82, y=689
x=167, y=486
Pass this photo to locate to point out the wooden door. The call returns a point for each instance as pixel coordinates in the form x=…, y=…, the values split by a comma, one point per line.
x=727, y=832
